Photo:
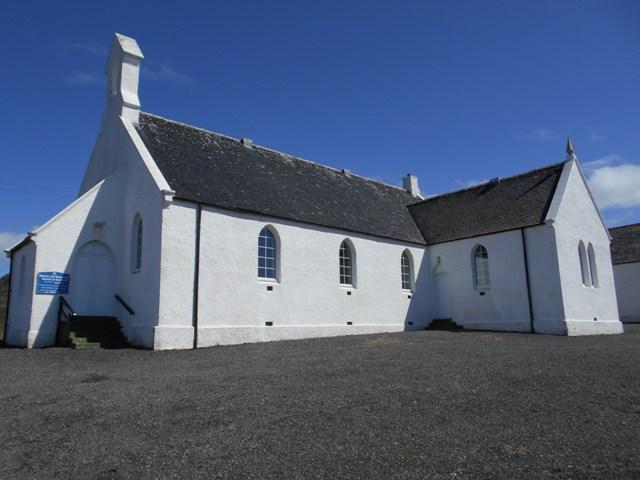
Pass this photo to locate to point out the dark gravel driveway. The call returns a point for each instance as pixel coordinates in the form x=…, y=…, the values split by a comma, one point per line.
x=411, y=405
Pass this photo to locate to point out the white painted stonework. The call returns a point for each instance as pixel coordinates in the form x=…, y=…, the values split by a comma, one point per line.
x=587, y=309
x=535, y=274
x=627, y=279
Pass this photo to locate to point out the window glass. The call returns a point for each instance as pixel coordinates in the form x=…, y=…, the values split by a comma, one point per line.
x=266, y=254
x=405, y=268
x=346, y=264
x=481, y=267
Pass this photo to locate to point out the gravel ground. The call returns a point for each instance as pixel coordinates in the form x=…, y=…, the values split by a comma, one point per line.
x=434, y=405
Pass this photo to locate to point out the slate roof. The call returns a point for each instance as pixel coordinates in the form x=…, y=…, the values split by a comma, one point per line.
x=625, y=244
x=213, y=169
x=508, y=204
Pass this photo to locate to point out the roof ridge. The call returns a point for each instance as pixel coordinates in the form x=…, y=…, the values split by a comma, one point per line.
x=255, y=145
x=511, y=177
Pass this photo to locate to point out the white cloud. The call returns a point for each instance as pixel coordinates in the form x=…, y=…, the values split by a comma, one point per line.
x=85, y=47
x=469, y=183
x=7, y=239
x=605, y=161
x=541, y=135
x=613, y=182
x=83, y=78
x=166, y=73
x=596, y=137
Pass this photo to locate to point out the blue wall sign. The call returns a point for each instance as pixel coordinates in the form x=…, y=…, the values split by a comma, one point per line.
x=52, y=283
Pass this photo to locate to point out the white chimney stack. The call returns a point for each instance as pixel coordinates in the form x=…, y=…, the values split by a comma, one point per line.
x=123, y=73
x=410, y=184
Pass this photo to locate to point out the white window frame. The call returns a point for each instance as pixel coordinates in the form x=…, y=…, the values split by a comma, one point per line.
x=585, y=272
x=137, y=243
x=347, y=264
x=593, y=268
x=481, y=271
x=406, y=271
x=263, y=253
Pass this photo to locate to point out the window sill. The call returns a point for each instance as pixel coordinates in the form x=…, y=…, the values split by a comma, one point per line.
x=268, y=281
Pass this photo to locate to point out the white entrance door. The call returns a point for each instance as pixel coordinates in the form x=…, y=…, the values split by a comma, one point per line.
x=93, y=280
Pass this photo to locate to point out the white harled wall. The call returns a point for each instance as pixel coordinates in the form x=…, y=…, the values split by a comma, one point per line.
x=504, y=305
x=104, y=213
x=627, y=279
x=22, y=289
x=306, y=301
x=177, y=265
x=544, y=280
x=587, y=310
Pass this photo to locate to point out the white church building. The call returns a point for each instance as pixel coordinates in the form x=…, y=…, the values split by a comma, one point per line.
x=625, y=253
x=191, y=239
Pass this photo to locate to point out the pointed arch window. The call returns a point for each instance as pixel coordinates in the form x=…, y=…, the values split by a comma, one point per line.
x=593, y=269
x=136, y=244
x=267, y=254
x=481, y=267
x=406, y=270
x=347, y=264
x=584, y=265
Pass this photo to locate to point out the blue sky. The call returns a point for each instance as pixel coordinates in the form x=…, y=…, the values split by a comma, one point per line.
x=454, y=92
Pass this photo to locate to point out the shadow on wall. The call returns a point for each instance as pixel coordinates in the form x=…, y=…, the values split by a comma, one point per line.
x=92, y=265
x=421, y=306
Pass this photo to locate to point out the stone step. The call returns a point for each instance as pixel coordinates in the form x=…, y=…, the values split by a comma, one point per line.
x=96, y=332
x=83, y=344
x=446, y=324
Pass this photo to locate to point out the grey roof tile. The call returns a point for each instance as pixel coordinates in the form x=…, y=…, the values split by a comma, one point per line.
x=508, y=204
x=209, y=168
x=625, y=244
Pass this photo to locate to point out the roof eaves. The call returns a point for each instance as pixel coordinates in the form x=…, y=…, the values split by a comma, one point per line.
x=493, y=232
x=305, y=222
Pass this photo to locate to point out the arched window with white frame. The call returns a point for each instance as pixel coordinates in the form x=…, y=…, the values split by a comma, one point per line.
x=406, y=270
x=267, y=254
x=136, y=244
x=593, y=269
x=347, y=264
x=481, y=268
x=584, y=265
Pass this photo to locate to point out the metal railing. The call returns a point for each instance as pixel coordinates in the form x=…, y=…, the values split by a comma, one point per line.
x=65, y=314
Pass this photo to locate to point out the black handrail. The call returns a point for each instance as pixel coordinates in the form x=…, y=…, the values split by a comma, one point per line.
x=65, y=313
x=64, y=303
x=124, y=304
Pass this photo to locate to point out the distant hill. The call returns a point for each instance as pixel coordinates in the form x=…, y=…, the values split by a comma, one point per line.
x=4, y=290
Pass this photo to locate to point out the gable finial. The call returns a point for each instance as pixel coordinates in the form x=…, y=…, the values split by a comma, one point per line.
x=570, y=151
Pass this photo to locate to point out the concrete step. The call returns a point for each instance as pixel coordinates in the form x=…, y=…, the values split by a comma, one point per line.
x=96, y=332
x=445, y=324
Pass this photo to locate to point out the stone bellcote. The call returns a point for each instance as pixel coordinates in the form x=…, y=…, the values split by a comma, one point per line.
x=123, y=74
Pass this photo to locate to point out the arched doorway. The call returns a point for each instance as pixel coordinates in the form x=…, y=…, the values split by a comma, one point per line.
x=93, y=280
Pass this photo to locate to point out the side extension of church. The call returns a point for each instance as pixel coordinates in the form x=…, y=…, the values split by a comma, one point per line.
x=192, y=239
